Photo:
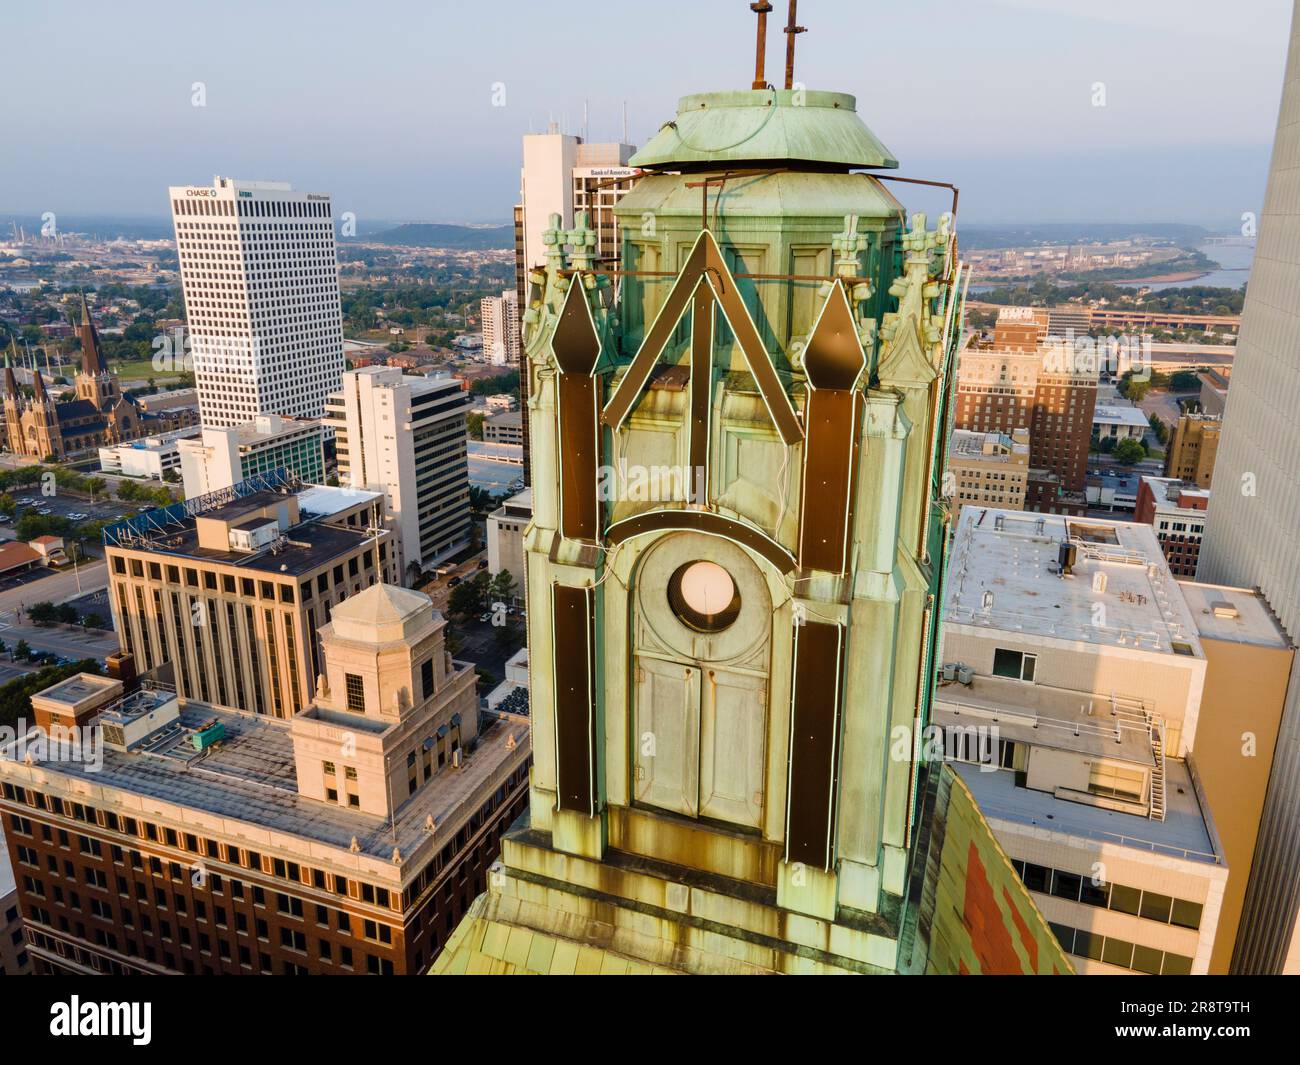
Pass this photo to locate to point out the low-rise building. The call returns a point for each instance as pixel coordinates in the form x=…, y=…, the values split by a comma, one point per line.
x=989, y=469
x=1071, y=684
x=504, y=428
x=153, y=457
x=1177, y=512
x=223, y=457
x=1119, y=422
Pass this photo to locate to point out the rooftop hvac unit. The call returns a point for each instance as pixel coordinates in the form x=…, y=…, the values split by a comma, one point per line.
x=986, y=601
x=1099, y=582
x=1066, y=554
x=965, y=674
x=950, y=671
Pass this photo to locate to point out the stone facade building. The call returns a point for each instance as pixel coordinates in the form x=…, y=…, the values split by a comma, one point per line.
x=42, y=428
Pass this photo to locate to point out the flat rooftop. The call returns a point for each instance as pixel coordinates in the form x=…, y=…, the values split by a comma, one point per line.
x=1004, y=575
x=1120, y=415
x=311, y=543
x=250, y=778
x=324, y=501
x=1255, y=622
x=1182, y=834
x=77, y=688
x=967, y=444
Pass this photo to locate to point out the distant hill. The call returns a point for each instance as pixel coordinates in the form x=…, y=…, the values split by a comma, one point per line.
x=1021, y=236
x=441, y=235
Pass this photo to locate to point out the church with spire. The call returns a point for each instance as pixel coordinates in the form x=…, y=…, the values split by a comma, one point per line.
x=44, y=428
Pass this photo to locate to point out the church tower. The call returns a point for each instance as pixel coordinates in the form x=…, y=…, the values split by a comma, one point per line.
x=735, y=554
x=40, y=422
x=94, y=383
x=13, y=407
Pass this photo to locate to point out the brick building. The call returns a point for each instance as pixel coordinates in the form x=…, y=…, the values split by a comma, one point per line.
x=349, y=840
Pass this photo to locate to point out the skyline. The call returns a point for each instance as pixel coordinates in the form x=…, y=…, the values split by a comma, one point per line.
x=418, y=138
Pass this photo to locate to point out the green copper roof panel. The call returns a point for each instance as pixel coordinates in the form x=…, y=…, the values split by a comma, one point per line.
x=766, y=125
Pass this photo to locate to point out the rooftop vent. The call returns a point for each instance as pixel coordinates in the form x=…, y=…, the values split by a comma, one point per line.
x=1099, y=582
x=1223, y=609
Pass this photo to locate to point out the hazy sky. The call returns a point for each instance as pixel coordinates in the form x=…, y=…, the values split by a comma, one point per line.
x=388, y=104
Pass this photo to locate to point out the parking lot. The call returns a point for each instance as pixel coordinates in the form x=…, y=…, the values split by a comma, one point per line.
x=74, y=508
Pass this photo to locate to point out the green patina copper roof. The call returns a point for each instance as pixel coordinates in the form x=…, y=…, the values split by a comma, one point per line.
x=766, y=125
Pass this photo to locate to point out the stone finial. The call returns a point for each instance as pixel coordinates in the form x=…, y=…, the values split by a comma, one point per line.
x=553, y=237
x=582, y=238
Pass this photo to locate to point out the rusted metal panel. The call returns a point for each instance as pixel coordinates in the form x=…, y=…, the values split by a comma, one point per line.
x=574, y=626
x=701, y=392
x=829, y=472
x=834, y=363
x=706, y=522
x=576, y=347
x=814, y=743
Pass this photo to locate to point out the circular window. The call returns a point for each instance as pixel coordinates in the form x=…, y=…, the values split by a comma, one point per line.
x=703, y=596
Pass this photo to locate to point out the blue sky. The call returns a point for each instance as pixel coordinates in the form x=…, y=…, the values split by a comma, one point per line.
x=388, y=104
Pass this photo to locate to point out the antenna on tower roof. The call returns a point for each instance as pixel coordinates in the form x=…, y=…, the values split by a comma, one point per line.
x=792, y=29
x=761, y=9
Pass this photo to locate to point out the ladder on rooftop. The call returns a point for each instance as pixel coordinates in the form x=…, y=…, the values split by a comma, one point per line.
x=1157, y=811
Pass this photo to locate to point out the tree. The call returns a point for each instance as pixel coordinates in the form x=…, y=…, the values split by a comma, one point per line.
x=7, y=504
x=474, y=421
x=92, y=621
x=43, y=613
x=1127, y=452
x=95, y=486
x=480, y=499
x=503, y=587
x=464, y=600
x=23, y=651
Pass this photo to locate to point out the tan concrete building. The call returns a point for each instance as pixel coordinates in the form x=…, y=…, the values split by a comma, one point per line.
x=1193, y=447
x=1248, y=661
x=227, y=600
x=989, y=469
x=1071, y=686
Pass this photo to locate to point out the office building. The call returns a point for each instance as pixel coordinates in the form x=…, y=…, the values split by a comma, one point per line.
x=260, y=280
x=989, y=469
x=1193, y=448
x=561, y=176
x=1251, y=533
x=407, y=437
x=224, y=596
x=221, y=457
x=716, y=664
x=1248, y=661
x=1071, y=684
x=1025, y=381
x=500, y=318
x=1176, y=511
x=209, y=841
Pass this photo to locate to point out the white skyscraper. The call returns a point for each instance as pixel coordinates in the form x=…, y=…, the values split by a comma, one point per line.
x=406, y=436
x=500, y=316
x=261, y=289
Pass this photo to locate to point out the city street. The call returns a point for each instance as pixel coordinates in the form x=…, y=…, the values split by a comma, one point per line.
x=68, y=641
